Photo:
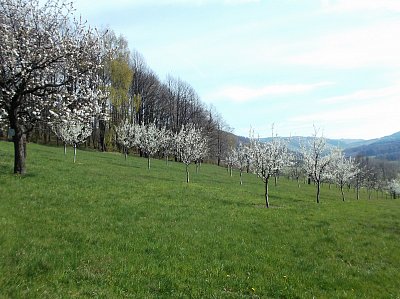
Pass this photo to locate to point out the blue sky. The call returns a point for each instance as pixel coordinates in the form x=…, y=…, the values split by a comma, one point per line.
x=334, y=64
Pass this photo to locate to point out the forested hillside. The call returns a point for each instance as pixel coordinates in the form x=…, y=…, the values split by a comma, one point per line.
x=387, y=148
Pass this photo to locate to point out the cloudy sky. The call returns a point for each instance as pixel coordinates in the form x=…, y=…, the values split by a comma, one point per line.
x=334, y=64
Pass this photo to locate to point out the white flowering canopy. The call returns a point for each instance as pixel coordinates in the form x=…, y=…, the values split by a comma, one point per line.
x=49, y=64
x=72, y=132
x=128, y=135
x=48, y=61
x=191, y=145
x=268, y=158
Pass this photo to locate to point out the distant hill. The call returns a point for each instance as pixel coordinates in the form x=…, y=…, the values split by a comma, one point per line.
x=295, y=142
x=387, y=147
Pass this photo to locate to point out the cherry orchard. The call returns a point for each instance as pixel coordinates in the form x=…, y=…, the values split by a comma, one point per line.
x=49, y=61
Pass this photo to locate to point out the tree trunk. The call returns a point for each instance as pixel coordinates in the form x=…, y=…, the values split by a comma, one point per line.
x=148, y=162
x=74, y=152
x=318, y=190
x=266, y=194
x=341, y=190
x=187, y=173
x=65, y=149
x=241, y=177
x=19, y=140
x=102, y=134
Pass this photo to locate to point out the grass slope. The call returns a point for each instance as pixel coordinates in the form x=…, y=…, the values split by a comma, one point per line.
x=107, y=228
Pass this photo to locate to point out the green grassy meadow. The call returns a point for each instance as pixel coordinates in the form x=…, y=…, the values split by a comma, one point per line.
x=109, y=228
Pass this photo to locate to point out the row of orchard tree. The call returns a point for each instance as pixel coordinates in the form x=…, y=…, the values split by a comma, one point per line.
x=188, y=145
x=316, y=161
x=56, y=70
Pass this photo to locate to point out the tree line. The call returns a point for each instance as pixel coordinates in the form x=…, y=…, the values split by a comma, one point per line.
x=55, y=69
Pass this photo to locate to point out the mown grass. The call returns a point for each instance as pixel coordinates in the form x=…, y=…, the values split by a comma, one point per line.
x=109, y=228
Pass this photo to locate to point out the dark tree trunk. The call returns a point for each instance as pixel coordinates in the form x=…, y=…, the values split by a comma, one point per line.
x=341, y=190
x=318, y=190
x=266, y=194
x=102, y=134
x=19, y=140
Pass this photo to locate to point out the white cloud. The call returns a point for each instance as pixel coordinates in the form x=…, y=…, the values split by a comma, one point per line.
x=374, y=45
x=362, y=114
x=101, y=4
x=244, y=94
x=365, y=94
x=341, y=6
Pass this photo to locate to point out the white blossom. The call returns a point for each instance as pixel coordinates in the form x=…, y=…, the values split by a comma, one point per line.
x=48, y=62
x=149, y=140
x=128, y=135
x=342, y=169
x=317, y=158
x=191, y=146
x=268, y=158
x=72, y=131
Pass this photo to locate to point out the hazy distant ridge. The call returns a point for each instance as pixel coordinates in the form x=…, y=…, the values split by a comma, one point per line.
x=387, y=147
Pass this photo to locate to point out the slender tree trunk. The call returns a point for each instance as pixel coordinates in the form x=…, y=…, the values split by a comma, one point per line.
x=125, y=152
x=74, y=152
x=148, y=162
x=266, y=193
x=318, y=190
x=187, y=173
x=341, y=190
x=276, y=180
x=65, y=148
x=241, y=177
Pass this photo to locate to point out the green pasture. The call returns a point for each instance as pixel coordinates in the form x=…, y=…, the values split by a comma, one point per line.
x=109, y=228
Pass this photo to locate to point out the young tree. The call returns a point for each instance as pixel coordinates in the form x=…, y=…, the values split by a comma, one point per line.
x=167, y=143
x=127, y=135
x=47, y=62
x=242, y=156
x=72, y=132
x=394, y=187
x=191, y=146
x=149, y=140
x=317, y=158
x=343, y=170
x=268, y=159
x=231, y=160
